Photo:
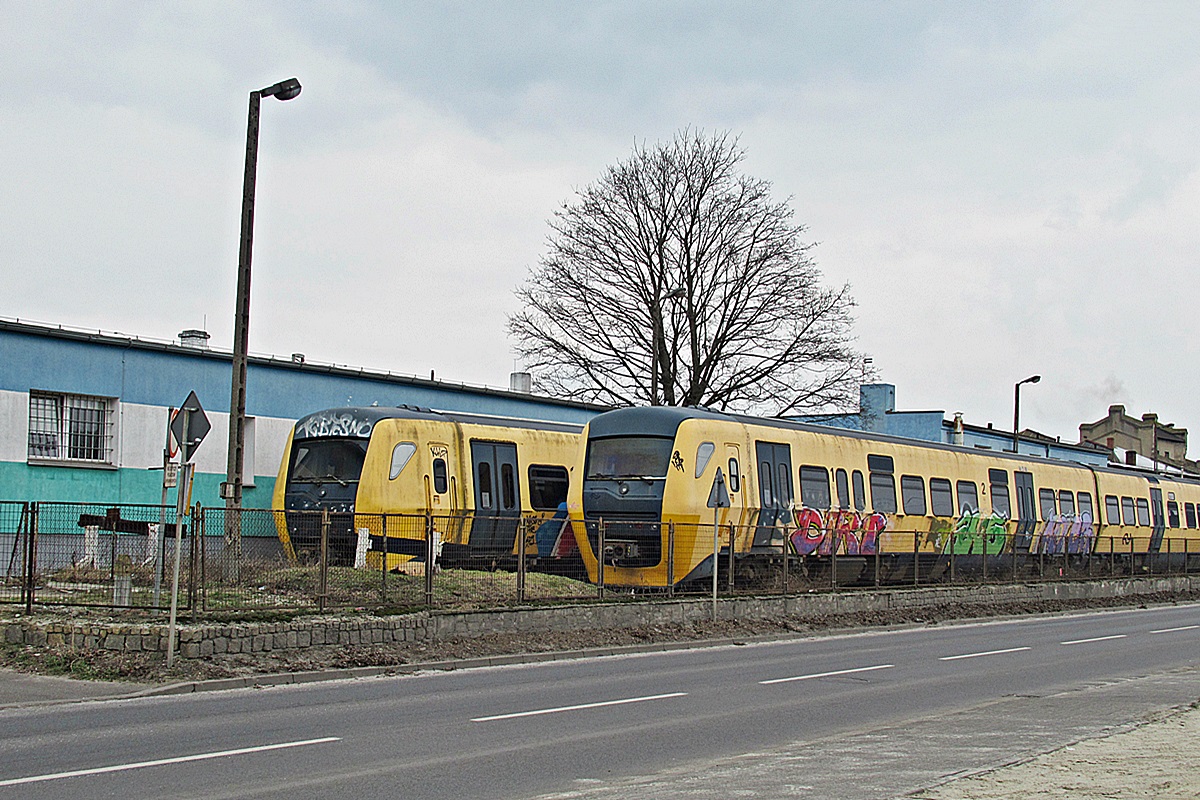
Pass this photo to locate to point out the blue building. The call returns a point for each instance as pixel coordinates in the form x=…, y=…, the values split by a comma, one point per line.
x=877, y=413
x=84, y=414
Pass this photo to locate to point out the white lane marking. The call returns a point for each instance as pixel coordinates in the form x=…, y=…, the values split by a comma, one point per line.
x=827, y=674
x=986, y=653
x=241, y=751
x=580, y=707
x=1172, y=630
x=1095, y=639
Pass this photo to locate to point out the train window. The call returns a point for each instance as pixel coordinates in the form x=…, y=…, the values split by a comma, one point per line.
x=1143, y=511
x=784, y=488
x=1112, y=509
x=1085, y=507
x=401, y=454
x=860, y=494
x=508, y=486
x=547, y=486
x=1000, y=501
x=883, y=492
x=880, y=464
x=1173, y=514
x=485, y=484
x=629, y=457
x=998, y=479
x=735, y=477
x=764, y=475
x=912, y=491
x=703, y=456
x=814, y=487
x=843, y=488
x=439, y=475
x=1066, y=503
x=1189, y=512
x=968, y=497
x=1049, y=507
x=1127, y=512
x=941, y=497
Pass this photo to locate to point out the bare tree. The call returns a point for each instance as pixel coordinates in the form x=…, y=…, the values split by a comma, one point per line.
x=676, y=280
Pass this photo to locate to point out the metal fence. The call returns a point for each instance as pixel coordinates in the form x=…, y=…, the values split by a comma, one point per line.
x=122, y=557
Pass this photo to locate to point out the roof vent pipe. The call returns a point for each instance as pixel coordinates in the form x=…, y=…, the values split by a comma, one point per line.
x=520, y=382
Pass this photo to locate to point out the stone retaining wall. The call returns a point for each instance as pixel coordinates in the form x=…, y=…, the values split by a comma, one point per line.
x=199, y=641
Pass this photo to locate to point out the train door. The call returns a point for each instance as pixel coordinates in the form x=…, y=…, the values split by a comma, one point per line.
x=733, y=482
x=1026, y=512
x=774, y=491
x=497, y=497
x=1160, y=524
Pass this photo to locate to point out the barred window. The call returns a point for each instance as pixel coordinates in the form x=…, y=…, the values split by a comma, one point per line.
x=70, y=427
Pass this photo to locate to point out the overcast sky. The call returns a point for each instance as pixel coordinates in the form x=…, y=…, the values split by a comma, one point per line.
x=1009, y=188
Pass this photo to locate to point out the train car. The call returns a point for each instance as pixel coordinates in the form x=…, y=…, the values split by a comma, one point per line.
x=646, y=476
x=392, y=471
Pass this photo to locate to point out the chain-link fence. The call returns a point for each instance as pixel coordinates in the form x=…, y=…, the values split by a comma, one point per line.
x=88, y=554
x=122, y=556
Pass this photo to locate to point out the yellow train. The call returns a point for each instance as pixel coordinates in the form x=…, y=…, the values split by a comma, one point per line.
x=392, y=471
x=646, y=476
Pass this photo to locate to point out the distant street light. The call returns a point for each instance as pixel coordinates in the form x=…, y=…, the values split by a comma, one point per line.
x=232, y=490
x=656, y=361
x=1017, y=410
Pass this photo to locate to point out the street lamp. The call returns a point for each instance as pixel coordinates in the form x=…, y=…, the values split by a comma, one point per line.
x=657, y=358
x=232, y=490
x=1017, y=409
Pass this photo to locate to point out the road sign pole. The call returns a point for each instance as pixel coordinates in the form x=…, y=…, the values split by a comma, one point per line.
x=182, y=492
x=716, y=546
x=718, y=498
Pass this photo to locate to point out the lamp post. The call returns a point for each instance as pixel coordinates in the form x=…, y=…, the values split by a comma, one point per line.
x=1017, y=409
x=656, y=358
x=232, y=490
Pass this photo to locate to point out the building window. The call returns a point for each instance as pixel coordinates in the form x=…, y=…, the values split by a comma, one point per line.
x=71, y=427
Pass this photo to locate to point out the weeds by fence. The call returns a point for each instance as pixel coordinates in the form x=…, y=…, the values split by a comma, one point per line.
x=121, y=557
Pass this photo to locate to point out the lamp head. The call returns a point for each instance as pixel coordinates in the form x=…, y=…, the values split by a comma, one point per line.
x=284, y=90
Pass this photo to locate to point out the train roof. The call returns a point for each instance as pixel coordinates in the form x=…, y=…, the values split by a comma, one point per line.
x=665, y=421
x=359, y=421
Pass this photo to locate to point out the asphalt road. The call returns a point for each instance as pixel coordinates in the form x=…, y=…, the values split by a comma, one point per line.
x=862, y=715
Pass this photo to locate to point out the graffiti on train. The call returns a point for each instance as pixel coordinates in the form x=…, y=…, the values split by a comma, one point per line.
x=1067, y=533
x=333, y=423
x=975, y=534
x=843, y=532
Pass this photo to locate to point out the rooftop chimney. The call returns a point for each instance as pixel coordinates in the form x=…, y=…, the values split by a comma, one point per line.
x=194, y=338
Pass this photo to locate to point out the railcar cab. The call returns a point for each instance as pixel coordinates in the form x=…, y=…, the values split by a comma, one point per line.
x=324, y=468
x=629, y=456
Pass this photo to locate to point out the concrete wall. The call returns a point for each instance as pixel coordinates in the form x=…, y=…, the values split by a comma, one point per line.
x=199, y=641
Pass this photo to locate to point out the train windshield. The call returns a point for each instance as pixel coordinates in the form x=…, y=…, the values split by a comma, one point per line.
x=328, y=461
x=629, y=457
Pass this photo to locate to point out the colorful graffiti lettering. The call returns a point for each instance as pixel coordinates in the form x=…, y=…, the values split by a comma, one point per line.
x=975, y=535
x=841, y=532
x=1067, y=533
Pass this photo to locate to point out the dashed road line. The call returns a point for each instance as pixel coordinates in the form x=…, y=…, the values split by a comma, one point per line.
x=1096, y=639
x=580, y=707
x=827, y=674
x=159, y=762
x=985, y=653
